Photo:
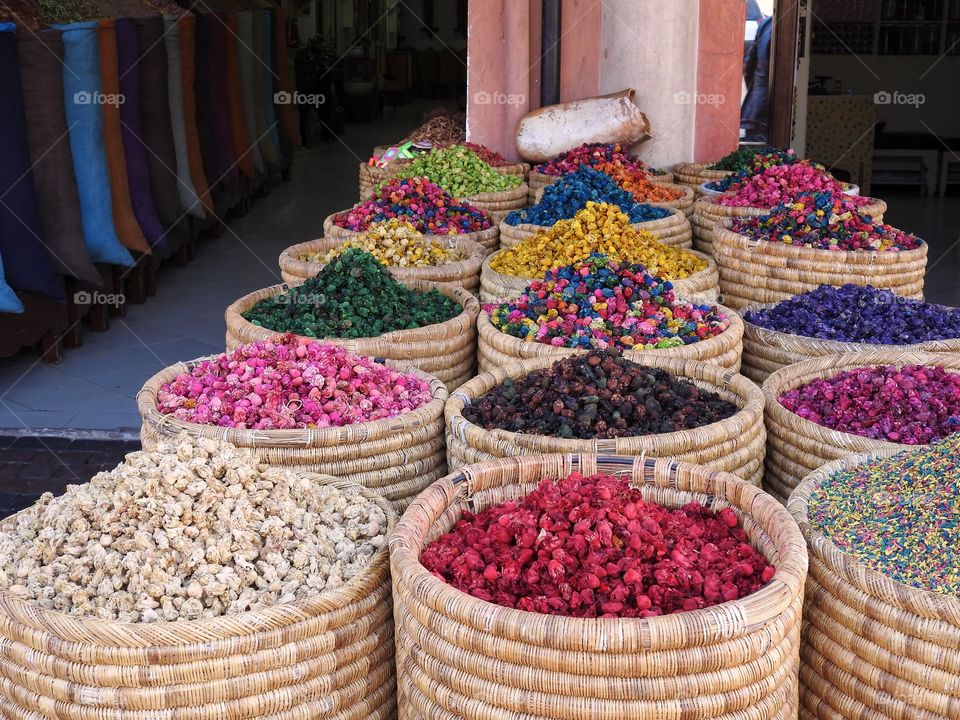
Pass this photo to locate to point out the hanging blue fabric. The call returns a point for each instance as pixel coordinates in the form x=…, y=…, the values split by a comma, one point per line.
x=82, y=91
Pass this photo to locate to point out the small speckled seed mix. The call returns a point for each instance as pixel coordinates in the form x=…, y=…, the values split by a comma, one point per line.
x=826, y=222
x=459, y=171
x=420, y=202
x=598, y=228
x=599, y=394
x=592, y=154
x=352, y=296
x=899, y=516
x=638, y=184
x=602, y=303
x=782, y=184
x=290, y=382
x=859, y=314
x=911, y=405
x=593, y=547
x=571, y=193
x=394, y=243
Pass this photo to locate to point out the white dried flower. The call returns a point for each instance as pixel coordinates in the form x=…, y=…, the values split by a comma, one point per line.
x=194, y=529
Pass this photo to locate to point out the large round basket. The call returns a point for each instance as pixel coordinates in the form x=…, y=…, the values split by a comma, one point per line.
x=496, y=349
x=706, y=213
x=765, y=351
x=735, y=445
x=871, y=647
x=445, y=350
x=521, y=168
x=395, y=457
x=695, y=174
x=701, y=286
x=684, y=202
x=796, y=446
x=489, y=238
x=462, y=657
x=463, y=273
x=372, y=175
x=330, y=656
x=760, y=271
x=498, y=204
x=671, y=230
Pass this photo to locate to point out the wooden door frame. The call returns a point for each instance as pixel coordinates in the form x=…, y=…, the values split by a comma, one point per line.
x=786, y=29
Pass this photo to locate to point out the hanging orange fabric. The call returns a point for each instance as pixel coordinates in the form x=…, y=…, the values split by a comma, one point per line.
x=128, y=230
x=238, y=121
x=188, y=67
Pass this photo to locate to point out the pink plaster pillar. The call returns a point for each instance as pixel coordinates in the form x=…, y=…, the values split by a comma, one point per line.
x=580, y=24
x=719, y=72
x=500, y=63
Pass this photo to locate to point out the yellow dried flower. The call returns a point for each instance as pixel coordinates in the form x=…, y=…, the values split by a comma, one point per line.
x=598, y=228
x=394, y=243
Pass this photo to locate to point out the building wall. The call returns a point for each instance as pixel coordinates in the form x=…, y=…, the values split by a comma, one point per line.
x=684, y=58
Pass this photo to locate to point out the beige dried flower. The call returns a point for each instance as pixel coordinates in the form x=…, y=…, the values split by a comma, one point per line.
x=195, y=529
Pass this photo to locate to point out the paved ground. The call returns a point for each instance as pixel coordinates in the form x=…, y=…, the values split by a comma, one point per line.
x=31, y=466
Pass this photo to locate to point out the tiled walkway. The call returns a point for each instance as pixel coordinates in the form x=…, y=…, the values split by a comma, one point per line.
x=31, y=466
x=95, y=386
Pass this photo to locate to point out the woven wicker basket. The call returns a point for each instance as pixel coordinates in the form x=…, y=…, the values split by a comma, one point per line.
x=871, y=647
x=684, y=202
x=672, y=230
x=489, y=238
x=695, y=174
x=445, y=350
x=521, y=168
x=765, y=351
x=498, y=204
x=370, y=176
x=735, y=445
x=496, y=349
x=706, y=213
x=701, y=286
x=461, y=273
x=461, y=657
x=328, y=656
x=795, y=446
x=395, y=457
x=759, y=271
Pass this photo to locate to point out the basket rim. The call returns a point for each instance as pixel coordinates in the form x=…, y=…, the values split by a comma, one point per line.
x=781, y=591
x=746, y=390
x=328, y=223
x=783, y=340
x=673, y=218
x=941, y=606
x=711, y=267
x=801, y=252
x=736, y=324
x=469, y=310
x=290, y=262
x=877, y=206
x=289, y=438
x=224, y=626
x=827, y=366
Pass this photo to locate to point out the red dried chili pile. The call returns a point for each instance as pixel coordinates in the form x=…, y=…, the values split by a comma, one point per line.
x=593, y=547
